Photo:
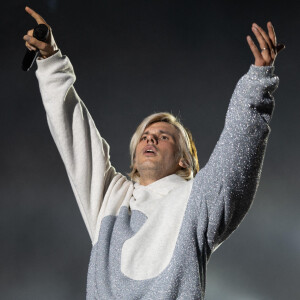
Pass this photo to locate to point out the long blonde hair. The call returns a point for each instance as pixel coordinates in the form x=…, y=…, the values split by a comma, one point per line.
x=187, y=150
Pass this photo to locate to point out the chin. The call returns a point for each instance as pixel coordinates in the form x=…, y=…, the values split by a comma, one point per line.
x=149, y=165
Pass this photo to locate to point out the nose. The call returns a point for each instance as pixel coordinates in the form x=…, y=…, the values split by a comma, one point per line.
x=151, y=139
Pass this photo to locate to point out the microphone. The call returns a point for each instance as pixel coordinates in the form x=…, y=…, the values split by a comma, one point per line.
x=41, y=33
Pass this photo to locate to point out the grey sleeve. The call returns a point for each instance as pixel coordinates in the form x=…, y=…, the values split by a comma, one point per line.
x=225, y=188
x=84, y=152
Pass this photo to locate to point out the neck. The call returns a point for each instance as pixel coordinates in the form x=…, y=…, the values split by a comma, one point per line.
x=147, y=181
x=147, y=178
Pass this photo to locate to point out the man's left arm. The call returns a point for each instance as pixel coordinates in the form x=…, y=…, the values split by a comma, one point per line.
x=225, y=187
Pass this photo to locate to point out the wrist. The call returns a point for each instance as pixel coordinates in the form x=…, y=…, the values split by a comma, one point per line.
x=44, y=56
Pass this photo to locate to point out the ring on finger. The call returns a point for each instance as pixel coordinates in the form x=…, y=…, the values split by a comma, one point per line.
x=264, y=49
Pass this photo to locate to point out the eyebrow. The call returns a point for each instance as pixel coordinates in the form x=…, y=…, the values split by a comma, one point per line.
x=163, y=132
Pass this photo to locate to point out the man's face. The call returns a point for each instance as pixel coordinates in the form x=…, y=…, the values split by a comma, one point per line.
x=157, y=150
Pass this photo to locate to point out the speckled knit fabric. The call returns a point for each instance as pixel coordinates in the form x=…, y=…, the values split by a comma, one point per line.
x=153, y=242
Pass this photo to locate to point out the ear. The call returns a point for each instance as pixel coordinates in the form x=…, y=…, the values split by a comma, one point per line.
x=182, y=163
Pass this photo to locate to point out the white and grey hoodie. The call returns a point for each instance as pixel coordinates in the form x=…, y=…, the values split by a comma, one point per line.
x=153, y=242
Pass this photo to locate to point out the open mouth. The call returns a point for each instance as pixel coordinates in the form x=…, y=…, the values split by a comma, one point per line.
x=149, y=151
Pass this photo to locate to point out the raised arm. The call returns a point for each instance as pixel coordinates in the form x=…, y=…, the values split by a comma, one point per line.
x=225, y=187
x=83, y=151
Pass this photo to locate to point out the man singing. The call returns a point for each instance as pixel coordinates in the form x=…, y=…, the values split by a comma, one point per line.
x=153, y=235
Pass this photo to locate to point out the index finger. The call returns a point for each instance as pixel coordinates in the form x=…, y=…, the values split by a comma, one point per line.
x=35, y=15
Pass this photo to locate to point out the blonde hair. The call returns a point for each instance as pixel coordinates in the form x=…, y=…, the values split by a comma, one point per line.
x=186, y=150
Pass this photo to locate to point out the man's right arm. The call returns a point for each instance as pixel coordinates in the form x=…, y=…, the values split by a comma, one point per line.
x=83, y=151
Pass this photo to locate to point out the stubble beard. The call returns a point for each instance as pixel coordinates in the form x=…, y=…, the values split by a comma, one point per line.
x=151, y=170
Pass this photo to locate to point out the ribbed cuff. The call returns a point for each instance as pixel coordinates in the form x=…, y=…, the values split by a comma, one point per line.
x=261, y=72
x=43, y=62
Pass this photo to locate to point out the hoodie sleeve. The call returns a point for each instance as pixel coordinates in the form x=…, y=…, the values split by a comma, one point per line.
x=84, y=153
x=225, y=188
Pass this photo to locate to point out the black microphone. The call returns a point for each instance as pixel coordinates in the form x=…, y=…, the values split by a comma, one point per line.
x=41, y=33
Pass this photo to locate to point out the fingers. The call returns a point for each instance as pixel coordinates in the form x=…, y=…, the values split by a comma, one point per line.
x=272, y=34
x=262, y=37
x=46, y=48
x=265, y=43
x=30, y=32
x=259, y=61
x=270, y=39
x=266, y=55
x=35, y=15
x=34, y=44
x=29, y=47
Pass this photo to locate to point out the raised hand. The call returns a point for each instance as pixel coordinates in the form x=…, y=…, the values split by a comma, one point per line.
x=267, y=43
x=47, y=48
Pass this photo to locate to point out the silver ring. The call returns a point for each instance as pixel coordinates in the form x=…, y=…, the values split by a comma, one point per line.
x=264, y=49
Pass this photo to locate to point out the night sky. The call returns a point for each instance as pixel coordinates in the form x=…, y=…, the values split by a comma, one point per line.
x=133, y=58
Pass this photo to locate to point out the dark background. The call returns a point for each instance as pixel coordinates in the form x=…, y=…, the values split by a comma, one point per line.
x=133, y=58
